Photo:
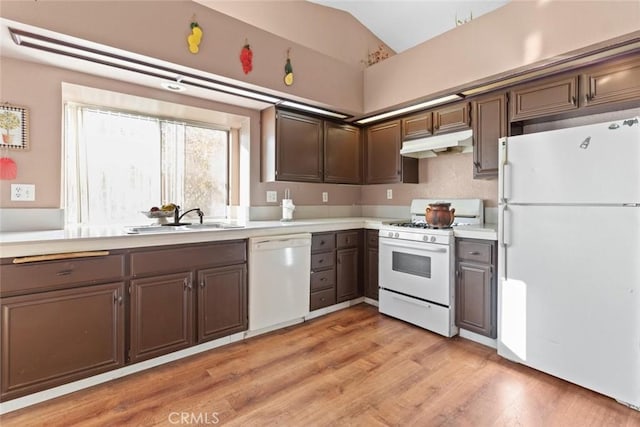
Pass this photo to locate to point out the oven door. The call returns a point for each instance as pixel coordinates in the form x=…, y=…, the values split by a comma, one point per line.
x=417, y=269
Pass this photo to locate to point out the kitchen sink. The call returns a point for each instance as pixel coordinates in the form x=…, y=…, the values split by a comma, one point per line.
x=152, y=229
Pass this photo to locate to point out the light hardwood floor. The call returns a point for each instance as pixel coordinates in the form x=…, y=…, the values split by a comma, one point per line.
x=353, y=367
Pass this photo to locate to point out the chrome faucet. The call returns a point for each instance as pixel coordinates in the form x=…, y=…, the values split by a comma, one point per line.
x=177, y=216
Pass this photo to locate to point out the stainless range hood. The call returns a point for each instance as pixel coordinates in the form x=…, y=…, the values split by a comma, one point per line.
x=461, y=142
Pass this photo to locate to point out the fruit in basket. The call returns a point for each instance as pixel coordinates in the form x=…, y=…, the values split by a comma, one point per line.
x=168, y=207
x=154, y=209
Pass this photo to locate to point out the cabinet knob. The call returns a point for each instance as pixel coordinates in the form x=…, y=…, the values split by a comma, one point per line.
x=202, y=284
x=573, y=100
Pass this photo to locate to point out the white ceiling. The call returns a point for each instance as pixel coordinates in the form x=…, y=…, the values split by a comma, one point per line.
x=402, y=24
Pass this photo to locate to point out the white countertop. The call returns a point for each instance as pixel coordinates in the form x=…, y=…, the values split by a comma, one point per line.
x=74, y=239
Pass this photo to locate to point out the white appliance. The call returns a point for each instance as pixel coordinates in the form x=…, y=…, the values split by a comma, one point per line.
x=569, y=288
x=279, y=277
x=416, y=266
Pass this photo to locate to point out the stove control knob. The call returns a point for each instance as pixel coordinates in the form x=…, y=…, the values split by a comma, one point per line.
x=425, y=238
x=397, y=235
x=432, y=239
x=391, y=234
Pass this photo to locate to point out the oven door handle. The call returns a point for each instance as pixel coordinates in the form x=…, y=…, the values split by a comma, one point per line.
x=418, y=247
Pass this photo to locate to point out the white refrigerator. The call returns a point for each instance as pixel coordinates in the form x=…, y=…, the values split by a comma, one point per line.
x=569, y=262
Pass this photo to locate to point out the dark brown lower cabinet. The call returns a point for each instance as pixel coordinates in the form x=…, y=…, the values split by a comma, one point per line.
x=476, y=289
x=161, y=315
x=56, y=337
x=347, y=275
x=222, y=301
x=371, y=265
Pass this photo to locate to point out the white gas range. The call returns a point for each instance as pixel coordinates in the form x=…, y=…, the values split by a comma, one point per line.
x=416, y=266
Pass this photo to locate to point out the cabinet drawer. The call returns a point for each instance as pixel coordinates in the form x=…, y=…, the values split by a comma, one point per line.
x=186, y=258
x=347, y=239
x=322, y=299
x=48, y=275
x=372, y=238
x=474, y=251
x=323, y=279
x=323, y=242
x=321, y=261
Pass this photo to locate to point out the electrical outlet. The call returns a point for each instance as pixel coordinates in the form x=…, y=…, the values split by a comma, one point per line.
x=23, y=192
x=389, y=194
x=325, y=197
x=272, y=196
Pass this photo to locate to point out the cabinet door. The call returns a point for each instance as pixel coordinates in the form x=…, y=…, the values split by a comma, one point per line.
x=474, y=299
x=299, y=148
x=347, y=274
x=417, y=126
x=452, y=118
x=384, y=165
x=544, y=98
x=610, y=83
x=342, y=154
x=161, y=315
x=52, y=338
x=222, y=301
x=371, y=272
x=489, y=125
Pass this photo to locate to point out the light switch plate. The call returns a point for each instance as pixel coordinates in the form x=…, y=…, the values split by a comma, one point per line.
x=272, y=196
x=23, y=192
x=389, y=194
x=325, y=197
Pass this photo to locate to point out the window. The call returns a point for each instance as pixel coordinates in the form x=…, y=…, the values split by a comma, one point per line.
x=118, y=164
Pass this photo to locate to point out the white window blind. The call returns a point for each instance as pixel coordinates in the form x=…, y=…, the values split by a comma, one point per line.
x=118, y=164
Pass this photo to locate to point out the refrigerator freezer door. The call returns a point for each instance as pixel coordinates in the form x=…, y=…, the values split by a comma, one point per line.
x=586, y=164
x=569, y=295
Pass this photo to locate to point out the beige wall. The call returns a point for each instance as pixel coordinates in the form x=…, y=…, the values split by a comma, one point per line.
x=159, y=29
x=515, y=35
x=307, y=23
x=448, y=176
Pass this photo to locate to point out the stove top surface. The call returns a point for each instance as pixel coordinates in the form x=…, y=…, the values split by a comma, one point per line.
x=419, y=225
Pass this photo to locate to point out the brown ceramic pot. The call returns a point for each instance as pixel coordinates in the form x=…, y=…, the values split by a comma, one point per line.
x=439, y=215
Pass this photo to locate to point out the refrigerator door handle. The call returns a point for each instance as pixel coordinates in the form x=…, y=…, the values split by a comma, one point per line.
x=506, y=226
x=506, y=181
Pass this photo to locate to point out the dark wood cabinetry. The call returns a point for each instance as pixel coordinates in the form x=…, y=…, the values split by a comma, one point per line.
x=371, y=265
x=323, y=271
x=169, y=284
x=451, y=118
x=417, y=126
x=52, y=337
x=489, y=125
x=222, y=301
x=342, y=154
x=336, y=268
x=348, y=265
x=161, y=315
x=544, y=98
x=384, y=164
x=612, y=82
x=476, y=289
x=299, y=147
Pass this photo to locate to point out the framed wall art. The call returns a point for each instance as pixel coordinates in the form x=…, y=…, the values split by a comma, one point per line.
x=14, y=127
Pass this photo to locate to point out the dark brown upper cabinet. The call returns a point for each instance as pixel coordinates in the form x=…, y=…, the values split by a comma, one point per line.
x=451, y=118
x=611, y=82
x=299, y=152
x=417, y=126
x=342, y=154
x=544, y=98
x=384, y=164
x=489, y=125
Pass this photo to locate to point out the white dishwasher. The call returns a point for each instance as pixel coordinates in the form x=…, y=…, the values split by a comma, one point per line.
x=279, y=275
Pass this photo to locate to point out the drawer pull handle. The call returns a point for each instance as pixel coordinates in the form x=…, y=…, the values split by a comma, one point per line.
x=53, y=257
x=474, y=253
x=320, y=261
x=64, y=273
x=324, y=279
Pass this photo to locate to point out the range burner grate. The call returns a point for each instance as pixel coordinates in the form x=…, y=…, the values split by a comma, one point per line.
x=422, y=225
